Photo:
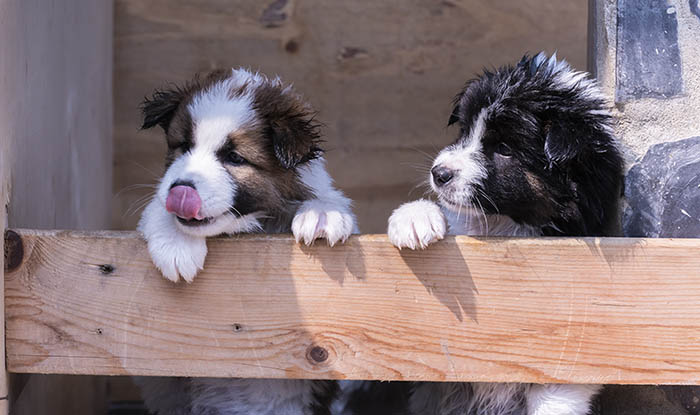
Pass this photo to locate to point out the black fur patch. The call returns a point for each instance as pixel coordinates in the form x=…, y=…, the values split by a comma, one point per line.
x=563, y=172
x=380, y=398
x=326, y=392
x=244, y=203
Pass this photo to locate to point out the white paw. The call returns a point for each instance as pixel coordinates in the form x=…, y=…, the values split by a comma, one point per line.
x=178, y=257
x=561, y=399
x=318, y=219
x=416, y=225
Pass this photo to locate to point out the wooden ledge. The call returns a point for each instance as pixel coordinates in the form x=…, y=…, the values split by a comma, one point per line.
x=526, y=310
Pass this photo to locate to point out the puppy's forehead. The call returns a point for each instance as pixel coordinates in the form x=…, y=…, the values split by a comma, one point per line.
x=215, y=113
x=474, y=129
x=223, y=107
x=250, y=145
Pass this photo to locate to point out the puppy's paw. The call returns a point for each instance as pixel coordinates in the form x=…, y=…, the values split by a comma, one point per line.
x=560, y=399
x=321, y=219
x=178, y=257
x=416, y=225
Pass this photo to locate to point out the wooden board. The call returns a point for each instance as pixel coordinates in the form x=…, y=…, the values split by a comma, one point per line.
x=381, y=74
x=532, y=310
x=55, y=152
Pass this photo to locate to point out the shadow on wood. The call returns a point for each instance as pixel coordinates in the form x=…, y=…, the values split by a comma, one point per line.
x=608, y=310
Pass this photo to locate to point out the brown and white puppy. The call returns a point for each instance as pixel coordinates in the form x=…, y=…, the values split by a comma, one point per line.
x=243, y=156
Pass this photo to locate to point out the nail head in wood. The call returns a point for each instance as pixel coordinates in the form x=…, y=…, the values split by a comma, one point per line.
x=14, y=250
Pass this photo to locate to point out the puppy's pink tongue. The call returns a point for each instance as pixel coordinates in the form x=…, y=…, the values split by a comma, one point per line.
x=184, y=202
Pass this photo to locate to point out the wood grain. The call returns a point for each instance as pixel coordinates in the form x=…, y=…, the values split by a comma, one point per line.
x=56, y=62
x=534, y=310
x=381, y=74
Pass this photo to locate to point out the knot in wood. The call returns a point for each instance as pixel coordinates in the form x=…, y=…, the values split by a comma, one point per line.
x=291, y=46
x=14, y=250
x=318, y=354
x=106, y=269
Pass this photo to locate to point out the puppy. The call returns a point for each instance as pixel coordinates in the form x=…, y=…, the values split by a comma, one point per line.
x=535, y=156
x=243, y=156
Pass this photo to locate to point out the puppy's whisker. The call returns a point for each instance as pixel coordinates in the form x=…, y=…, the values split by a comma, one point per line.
x=236, y=211
x=486, y=220
x=146, y=197
x=488, y=199
x=418, y=186
x=136, y=186
x=147, y=170
x=426, y=154
x=138, y=204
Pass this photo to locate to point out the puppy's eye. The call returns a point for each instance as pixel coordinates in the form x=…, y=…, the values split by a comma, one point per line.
x=235, y=158
x=504, y=150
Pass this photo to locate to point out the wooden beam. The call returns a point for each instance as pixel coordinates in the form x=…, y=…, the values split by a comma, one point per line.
x=526, y=310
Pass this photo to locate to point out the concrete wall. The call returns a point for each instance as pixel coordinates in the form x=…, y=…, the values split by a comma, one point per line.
x=382, y=74
x=55, y=148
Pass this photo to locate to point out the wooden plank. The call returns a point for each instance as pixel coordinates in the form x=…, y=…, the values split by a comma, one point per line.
x=4, y=200
x=381, y=74
x=535, y=310
x=56, y=62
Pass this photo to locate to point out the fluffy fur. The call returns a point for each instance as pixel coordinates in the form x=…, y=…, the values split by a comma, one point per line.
x=535, y=156
x=248, y=147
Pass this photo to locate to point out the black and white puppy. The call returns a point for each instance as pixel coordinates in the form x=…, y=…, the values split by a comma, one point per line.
x=243, y=156
x=535, y=156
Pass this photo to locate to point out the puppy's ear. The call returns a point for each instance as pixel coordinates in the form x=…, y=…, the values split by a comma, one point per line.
x=160, y=108
x=559, y=142
x=294, y=133
x=566, y=140
x=454, y=117
x=296, y=141
x=457, y=104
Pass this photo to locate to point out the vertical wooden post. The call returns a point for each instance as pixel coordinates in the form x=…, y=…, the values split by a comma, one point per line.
x=56, y=114
x=4, y=200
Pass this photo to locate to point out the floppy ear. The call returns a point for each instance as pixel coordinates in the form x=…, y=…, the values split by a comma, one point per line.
x=160, y=108
x=559, y=142
x=454, y=117
x=293, y=131
x=565, y=140
x=295, y=138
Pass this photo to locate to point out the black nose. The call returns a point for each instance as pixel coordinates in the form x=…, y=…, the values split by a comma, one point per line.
x=183, y=183
x=442, y=175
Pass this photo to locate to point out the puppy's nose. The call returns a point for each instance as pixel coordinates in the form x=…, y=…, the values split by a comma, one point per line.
x=179, y=182
x=442, y=175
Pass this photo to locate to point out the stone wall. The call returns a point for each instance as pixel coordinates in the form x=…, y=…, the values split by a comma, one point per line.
x=646, y=55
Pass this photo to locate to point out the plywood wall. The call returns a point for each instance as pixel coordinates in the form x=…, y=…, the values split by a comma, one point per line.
x=55, y=149
x=55, y=105
x=382, y=74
